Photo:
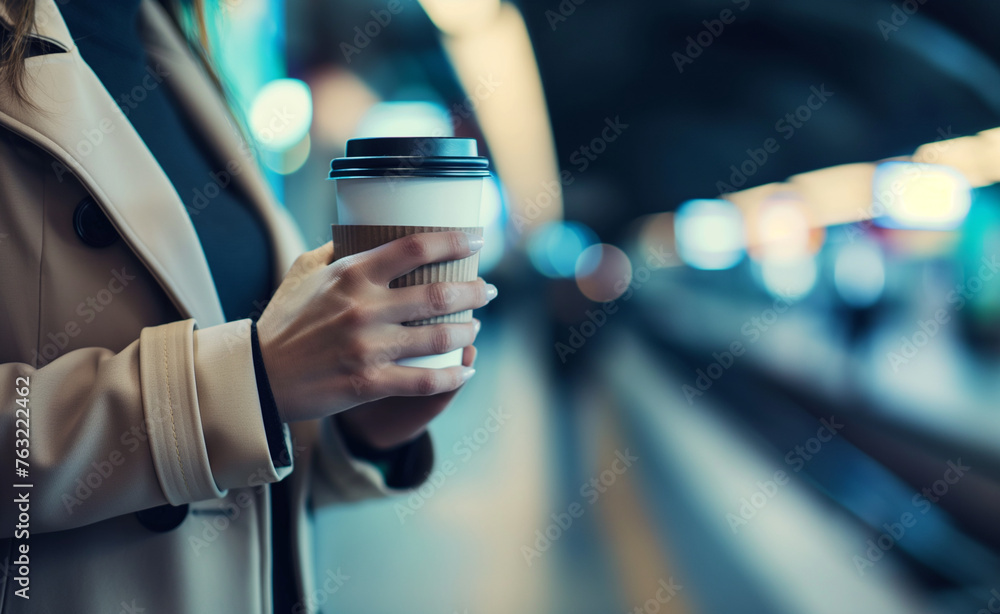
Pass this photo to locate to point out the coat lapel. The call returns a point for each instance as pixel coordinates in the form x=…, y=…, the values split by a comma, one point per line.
x=81, y=126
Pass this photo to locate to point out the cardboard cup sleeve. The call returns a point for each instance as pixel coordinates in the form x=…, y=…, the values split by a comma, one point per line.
x=350, y=240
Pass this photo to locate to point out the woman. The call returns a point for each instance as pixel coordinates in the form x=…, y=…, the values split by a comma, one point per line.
x=174, y=442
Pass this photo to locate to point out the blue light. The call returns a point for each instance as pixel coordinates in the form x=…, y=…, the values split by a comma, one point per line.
x=406, y=118
x=491, y=218
x=555, y=247
x=859, y=274
x=792, y=279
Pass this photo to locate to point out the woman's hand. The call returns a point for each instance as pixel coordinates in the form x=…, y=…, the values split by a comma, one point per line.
x=331, y=333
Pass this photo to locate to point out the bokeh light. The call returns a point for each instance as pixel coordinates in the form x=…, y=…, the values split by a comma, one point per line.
x=281, y=114
x=859, y=273
x=340, y=102
x=656, y=234
x=491, y=218
x=290, y=160
x=710, y=234
x=405, y=118
x=783, y=230
x=603, y=272
x=920, y=196
x=555, y=247
x=792, y=279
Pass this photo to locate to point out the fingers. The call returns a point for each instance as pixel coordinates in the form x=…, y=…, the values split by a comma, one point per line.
x=397, y=258
x=469, y=356
x=314, y=259
x=432, y=339
x=399, y=381
x=436, y=299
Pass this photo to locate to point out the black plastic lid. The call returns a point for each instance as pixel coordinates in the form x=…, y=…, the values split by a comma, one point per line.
x=410, y=157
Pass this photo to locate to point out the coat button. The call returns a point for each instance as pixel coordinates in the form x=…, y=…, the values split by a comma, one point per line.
x=163, y=518
x=92, y=226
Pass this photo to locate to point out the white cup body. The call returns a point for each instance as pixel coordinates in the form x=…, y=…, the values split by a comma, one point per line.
x=409, y=201
x=412, y=201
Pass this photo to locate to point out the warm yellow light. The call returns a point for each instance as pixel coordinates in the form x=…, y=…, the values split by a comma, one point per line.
x=497, y=68
x=836, y=195
x=461, y=16
x=783, y=230
x=936, y=197
x=921, y=196
x=340, y=101
x=966, y=155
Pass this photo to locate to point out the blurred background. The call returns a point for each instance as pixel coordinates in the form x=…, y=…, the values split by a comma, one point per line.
x=747, y=347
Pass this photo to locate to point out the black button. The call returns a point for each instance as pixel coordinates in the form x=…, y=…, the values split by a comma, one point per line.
x=164, y=518
x=92, y=225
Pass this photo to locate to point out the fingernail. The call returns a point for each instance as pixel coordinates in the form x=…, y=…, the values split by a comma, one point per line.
x=467, y=372
x=475, y=242
x=491, y=292
x=477, y=325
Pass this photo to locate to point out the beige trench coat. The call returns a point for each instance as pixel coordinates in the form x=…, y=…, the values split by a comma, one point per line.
x=140, y=394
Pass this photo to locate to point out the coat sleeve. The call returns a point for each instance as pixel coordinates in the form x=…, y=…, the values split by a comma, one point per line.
x=340, y=477
x=172, y=418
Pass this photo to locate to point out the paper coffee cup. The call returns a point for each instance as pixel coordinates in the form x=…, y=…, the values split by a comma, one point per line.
x=388, y=188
